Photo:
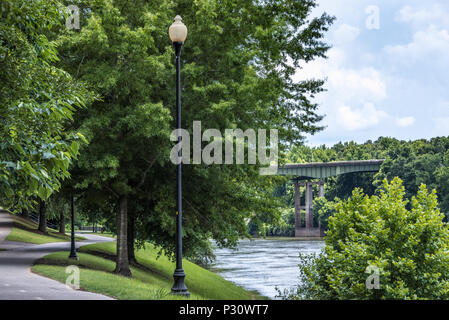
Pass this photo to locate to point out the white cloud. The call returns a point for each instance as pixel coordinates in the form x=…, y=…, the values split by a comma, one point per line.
x=362, y=85
x=320, y=68
x=399, y=68
x=431, y=45
x=405, y=122
x=345, y=34
x=365, y=84
x=347, y=87
x=435, y=14
x=357, y=119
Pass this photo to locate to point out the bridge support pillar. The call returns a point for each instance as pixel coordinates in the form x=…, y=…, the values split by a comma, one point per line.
x=309, y=231
x=298, y=223
x=309, y=201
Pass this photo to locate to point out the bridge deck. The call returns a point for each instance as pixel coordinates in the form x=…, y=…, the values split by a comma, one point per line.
x=321, y=170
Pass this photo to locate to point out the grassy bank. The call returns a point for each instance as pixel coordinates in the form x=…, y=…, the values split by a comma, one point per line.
x=152, y=277
x=25, y=230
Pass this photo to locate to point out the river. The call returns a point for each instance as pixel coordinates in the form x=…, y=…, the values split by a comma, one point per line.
x=262, y=265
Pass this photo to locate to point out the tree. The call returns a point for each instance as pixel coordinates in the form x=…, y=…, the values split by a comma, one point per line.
x=62, y=222
x=128, y=130
x=57, y=206
x=238, y=64
x=407, y=247
x=323, y=210
x=42, y=226
x=36, y=101
x=442, y=178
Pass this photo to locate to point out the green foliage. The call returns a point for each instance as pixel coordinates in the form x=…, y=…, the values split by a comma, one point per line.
x=237, y=67
x=415, y=162
x=323, y=209
x=55, y=206
x=37, y=100
x=442, y=182
x=408, y=246
x=279, y=226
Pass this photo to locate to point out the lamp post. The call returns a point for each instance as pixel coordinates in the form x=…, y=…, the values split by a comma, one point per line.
x=72, y=242
x=178, y=34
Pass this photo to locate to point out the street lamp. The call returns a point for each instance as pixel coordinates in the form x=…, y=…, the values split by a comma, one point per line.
x=178, y=34
x=72, y=242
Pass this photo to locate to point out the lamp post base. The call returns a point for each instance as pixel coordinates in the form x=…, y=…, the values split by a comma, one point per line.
x=73, y=255
x=179, y=288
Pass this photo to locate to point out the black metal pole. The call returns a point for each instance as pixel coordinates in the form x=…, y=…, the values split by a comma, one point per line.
x=72, y=245
x=179, y=286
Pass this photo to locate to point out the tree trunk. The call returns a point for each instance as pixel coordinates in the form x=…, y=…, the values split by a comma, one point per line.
x=24, y=213
x=62, y=222
x=42, y=217
x=122, y=263
x=131, y=237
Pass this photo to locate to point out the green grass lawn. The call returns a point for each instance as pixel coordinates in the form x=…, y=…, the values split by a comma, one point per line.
x=25, y=230
x=151, y=280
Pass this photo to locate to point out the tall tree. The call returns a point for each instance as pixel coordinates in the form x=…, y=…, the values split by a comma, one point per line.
x=42, y=227
x=442, y=177
x=238, y=63
x=128, y=130
x=36, y=101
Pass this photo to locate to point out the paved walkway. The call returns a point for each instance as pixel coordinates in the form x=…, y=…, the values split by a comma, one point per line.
x=5, y=226
x=16, y=280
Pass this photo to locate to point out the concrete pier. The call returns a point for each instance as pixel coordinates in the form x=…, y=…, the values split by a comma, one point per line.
x=309, y=230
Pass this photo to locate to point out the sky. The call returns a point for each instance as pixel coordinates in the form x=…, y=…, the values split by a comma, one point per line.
x=387, y=71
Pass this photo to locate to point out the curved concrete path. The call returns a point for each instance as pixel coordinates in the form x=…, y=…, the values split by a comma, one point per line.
x=5, y=226
x=17, y=282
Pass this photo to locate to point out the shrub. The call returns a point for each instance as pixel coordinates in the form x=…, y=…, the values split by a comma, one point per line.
x=409, y=248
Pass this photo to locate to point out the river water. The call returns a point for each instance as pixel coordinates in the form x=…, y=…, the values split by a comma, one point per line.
x=263, y=265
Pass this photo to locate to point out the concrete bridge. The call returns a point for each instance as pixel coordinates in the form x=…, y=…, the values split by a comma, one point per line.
x=307, y=172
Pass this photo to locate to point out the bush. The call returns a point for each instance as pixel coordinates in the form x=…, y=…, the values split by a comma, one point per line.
x=409, y=248
x=284, y=227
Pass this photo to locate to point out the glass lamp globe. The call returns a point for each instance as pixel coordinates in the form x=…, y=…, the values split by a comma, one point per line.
x=178, y=30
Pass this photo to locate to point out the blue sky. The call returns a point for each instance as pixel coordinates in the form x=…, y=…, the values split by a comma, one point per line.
x=387, y=76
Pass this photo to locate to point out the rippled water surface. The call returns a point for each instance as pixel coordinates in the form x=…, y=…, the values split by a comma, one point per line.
x=263, y=265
